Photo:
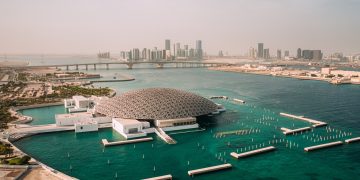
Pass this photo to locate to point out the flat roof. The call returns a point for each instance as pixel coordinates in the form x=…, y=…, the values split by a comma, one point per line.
x=71, y=115
x=86, y=122
x=127, y=121
x=79, y=98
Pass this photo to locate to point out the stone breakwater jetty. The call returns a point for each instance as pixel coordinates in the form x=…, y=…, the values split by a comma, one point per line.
x=253, y=152
x=315, y=123
x=321, y=146
x=357, y=139
x=105, y=142
x=165, y=177
x=209, y=169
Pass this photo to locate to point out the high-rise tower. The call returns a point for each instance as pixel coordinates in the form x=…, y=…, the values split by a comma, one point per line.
x=260, y=50
x=199, y=51
x=167, y=44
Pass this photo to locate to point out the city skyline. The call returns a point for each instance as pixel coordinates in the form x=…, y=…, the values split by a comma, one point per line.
x=66, y=27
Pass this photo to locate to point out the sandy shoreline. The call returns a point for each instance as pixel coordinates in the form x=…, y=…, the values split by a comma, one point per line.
x=287, y=74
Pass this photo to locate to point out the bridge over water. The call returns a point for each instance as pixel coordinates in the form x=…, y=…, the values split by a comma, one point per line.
x=130, y=65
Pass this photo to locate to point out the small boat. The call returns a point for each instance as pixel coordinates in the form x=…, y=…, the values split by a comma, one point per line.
x=239, y=100
x=219, y=97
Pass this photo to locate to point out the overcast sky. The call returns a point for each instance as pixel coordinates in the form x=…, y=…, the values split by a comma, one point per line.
x=89, y=26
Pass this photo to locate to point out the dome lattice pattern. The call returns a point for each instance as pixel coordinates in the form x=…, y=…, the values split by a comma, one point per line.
x=156, y=103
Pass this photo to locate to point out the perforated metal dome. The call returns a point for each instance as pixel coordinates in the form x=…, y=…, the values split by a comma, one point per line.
x=156, y=103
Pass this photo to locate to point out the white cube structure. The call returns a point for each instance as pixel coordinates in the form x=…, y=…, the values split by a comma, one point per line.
x=86, y=126
x=71, y=119
x=129, y=128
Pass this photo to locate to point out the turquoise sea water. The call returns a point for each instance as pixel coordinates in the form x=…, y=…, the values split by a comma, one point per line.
x=265, y=96
x=44, y=115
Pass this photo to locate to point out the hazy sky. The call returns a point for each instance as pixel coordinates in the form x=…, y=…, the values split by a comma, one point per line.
x=89, y=26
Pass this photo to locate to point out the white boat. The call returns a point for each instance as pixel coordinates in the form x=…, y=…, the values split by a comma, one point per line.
x=239, y=100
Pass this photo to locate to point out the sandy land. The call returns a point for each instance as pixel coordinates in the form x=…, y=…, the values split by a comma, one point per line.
x=13, y=63
x=39, y=174
x=41, y=70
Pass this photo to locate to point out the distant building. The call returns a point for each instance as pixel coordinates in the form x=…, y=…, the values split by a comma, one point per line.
x=167, y=44
x=252, y=53
x=312, y=54
x=338, y=56
x=266, y=54
x=105, y=55
x=260, y=50
x=186, y=50
x=192, y=53
x=286, y=53
x=129, y=56
x=178, y=50
x=199, y=51
x=136, y=54
x=123, y=55
x=221, y=53
x=317, y=55
x=148, y=54
x=278, y=54
x=307, y=54
x=298, y=55
x=144, y=53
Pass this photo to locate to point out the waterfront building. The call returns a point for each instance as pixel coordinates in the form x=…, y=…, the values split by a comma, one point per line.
x=136, y=54
x=167, y=44
x=130, y=128
x=199, y=51
x=317, y=55
x=148, y=54
x=221, y=54
x=123, y=55
x=278, y=54
x=287, y=53
x=307, y=54
x=131, y=113
x=192, y=53
x=186, y=49
x=156, y=104
x=166, y=108
x=266, y=54
x=252, y=53
x=144, y=53
x=129, y=56
x=78, y=104
x=312, y=54
x=260, y=50
x=168, y=55
x=105, y=55
x=178, y=50
x=298, y=53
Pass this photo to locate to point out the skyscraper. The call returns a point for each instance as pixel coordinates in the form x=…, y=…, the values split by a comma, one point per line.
x=317, y=54
x=221, y=53
x=252, y=53
x=136, y=54
x=260, y=50
x=278, y=54
x=144, y=53
x=307, y=54
x=186, y=49
x=286, y=53
x=199, y=51
x=266, y=54
x=298, y=55
x=178, y=49
x=167, y=44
